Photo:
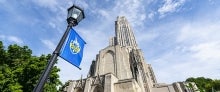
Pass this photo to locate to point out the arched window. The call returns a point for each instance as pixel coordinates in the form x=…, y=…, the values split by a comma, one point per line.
x=98, y=89
x=78, y=90
x=109, y=62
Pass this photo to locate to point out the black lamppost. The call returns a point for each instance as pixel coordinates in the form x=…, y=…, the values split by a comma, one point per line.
x=75, y=15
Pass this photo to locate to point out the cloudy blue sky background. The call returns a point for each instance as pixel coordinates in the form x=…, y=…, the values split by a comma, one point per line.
x=180, y=38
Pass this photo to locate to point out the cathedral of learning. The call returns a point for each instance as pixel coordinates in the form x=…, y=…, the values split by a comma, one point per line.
x=121, y=67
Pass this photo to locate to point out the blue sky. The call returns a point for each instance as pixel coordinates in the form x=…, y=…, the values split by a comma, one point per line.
x=179, y=38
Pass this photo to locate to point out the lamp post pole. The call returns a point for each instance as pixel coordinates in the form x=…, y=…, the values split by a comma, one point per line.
x=75, y=15
x=44, y=76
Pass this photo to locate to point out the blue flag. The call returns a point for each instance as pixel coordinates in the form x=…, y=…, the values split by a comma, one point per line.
x=72, y=50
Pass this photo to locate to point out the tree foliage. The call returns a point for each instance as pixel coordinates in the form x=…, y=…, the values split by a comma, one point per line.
x=20, y=70
x=205, y=84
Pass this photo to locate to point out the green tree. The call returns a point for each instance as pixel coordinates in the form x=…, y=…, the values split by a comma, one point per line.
x=205, y=84
x=216, y=85
x=20, y=70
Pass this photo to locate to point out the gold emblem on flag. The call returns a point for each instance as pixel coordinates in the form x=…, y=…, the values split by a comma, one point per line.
x=74, y=46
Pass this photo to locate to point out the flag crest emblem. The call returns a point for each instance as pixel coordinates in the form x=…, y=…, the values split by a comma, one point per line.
x=74, y=46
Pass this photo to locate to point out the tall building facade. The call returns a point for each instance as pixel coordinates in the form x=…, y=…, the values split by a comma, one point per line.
x=121, y=67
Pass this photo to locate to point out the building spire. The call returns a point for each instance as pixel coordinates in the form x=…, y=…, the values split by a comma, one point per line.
x=124, y=34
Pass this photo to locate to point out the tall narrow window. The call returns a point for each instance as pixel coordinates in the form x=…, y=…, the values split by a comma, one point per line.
x=109, y=62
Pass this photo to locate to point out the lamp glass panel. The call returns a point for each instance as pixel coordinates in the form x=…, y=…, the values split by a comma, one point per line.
x=75, y=13
x=80, y=17
x=70, y=13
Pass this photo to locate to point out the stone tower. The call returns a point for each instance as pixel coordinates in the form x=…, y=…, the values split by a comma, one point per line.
x=120, y=67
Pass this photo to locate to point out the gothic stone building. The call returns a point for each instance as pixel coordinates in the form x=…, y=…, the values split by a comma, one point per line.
x=121, y=67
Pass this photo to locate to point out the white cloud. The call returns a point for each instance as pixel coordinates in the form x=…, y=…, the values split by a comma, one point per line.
x=209, y=51
x=142, y=37
x=195, y=51
x=15, y=39
x=12, y=39
x=51, y=4
x=49, y=44
x=199, y=31
x=169, y=69
x=103, y=13
x=81, y=3
x=151, y=15
x=170, y=6
x=133, y=10
x=59, y=11
x=53, y=25
x=190, y=61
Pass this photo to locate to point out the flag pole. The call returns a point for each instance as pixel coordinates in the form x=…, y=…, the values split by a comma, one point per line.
x=44, y=76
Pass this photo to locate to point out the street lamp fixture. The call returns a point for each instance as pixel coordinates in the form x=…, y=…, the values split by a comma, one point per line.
x=75, y=15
